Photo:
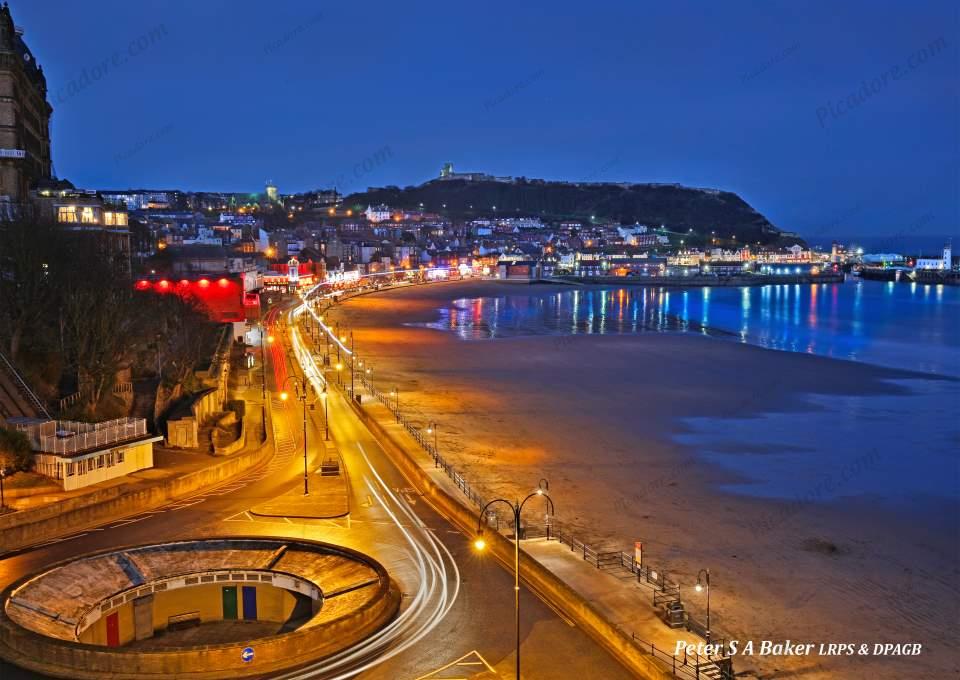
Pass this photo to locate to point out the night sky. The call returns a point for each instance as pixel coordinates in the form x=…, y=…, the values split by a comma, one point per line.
x=761, y=98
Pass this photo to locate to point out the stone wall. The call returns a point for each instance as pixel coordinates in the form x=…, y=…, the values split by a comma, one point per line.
x=25, y=528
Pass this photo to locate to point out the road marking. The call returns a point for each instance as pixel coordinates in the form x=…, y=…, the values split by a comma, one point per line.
x=127, y=521
x=465, y=660
x=181, y=506
x=58, y=540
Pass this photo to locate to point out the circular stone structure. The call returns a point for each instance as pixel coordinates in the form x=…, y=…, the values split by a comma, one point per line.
x=205, y=608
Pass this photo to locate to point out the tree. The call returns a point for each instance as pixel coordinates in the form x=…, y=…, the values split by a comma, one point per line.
x=26, y=287
x=15, y=451
x=97, y=313
x=182, y=330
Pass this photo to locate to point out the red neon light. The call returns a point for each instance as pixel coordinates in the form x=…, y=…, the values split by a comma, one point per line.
x=223, y=282
x=164, y=283
x=203, y=283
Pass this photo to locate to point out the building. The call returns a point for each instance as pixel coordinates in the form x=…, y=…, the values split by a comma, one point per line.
x=273, y=195
x=380, y=213
x=80, y=454
x=518, y=270
x=145, y=199
x=447, y=173
x=84, y=213
x=944, y=262
x=24, y=120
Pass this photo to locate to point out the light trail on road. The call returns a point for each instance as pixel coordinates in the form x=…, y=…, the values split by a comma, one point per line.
x=436, y=571
x=437, y=590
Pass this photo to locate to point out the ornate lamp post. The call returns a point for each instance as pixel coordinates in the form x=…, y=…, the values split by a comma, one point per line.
x=432, y=429
x=480, y=544
x=701, y=584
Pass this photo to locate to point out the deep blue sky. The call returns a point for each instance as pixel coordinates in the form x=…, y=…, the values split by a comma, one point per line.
x=735, y=95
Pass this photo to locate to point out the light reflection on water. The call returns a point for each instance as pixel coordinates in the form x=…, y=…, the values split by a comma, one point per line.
x=785, y=455
x=909, y=326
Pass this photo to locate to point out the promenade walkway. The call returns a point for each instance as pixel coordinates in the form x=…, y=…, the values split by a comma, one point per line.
x=616, y=592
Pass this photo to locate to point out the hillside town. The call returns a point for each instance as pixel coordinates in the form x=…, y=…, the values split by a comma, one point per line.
x=173, y=232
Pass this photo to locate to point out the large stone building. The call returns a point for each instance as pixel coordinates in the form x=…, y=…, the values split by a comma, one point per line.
x=24, y=119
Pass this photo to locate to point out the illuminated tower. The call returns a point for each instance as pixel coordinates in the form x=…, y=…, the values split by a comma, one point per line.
x=272, y=194
x=293, y=273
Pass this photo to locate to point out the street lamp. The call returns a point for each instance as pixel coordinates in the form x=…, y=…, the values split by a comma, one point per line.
x=263, y=366
x=3, y=503
x=326, y=414
x=300, y=387
x=480, y=544
x=432, y=429
x=705, y=583
x=351, y=364
x=395, y=392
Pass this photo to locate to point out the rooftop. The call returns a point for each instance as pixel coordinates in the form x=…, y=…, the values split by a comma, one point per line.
x=71, y=438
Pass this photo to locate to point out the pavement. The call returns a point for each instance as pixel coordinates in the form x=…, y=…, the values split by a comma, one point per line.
x=328, y=498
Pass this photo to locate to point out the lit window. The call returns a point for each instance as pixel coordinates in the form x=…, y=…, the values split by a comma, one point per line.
x=108, y=218
x=87, y=216
x=67, y=213
x=121, y=219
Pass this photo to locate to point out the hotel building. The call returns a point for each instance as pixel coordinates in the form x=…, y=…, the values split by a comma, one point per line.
x=24, y=120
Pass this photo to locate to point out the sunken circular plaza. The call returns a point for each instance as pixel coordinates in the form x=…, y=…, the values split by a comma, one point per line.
x=205, y=608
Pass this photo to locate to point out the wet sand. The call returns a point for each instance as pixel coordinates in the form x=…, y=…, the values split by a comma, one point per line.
x=598, y=417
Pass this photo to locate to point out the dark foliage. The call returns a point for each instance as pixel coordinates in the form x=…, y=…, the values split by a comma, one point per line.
x=678, y=208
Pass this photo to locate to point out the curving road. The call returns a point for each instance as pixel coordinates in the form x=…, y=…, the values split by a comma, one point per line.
x=457, y=612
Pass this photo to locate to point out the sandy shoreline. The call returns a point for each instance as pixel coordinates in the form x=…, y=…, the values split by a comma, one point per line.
x=516, y=409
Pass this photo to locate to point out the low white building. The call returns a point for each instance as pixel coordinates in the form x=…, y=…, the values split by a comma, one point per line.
x=80, y=454
x=944, y=262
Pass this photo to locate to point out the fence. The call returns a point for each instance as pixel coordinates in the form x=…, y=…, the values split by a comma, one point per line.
x=66, y=437
x=665, y=591
x=66, y=402
x=690, y=666
x=22, y=387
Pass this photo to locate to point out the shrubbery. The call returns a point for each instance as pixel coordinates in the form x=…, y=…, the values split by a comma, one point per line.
x=15, y=452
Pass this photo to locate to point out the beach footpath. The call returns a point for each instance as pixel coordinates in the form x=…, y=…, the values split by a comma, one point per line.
x=612, y=605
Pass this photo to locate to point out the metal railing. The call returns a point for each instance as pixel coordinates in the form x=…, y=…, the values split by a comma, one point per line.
x=691, y=666
x=22, y=386
x=66, y=402
x=67, y=437
x=668, y=591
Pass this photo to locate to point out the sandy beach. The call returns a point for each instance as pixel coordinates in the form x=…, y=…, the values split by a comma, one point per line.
x=600, y=417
